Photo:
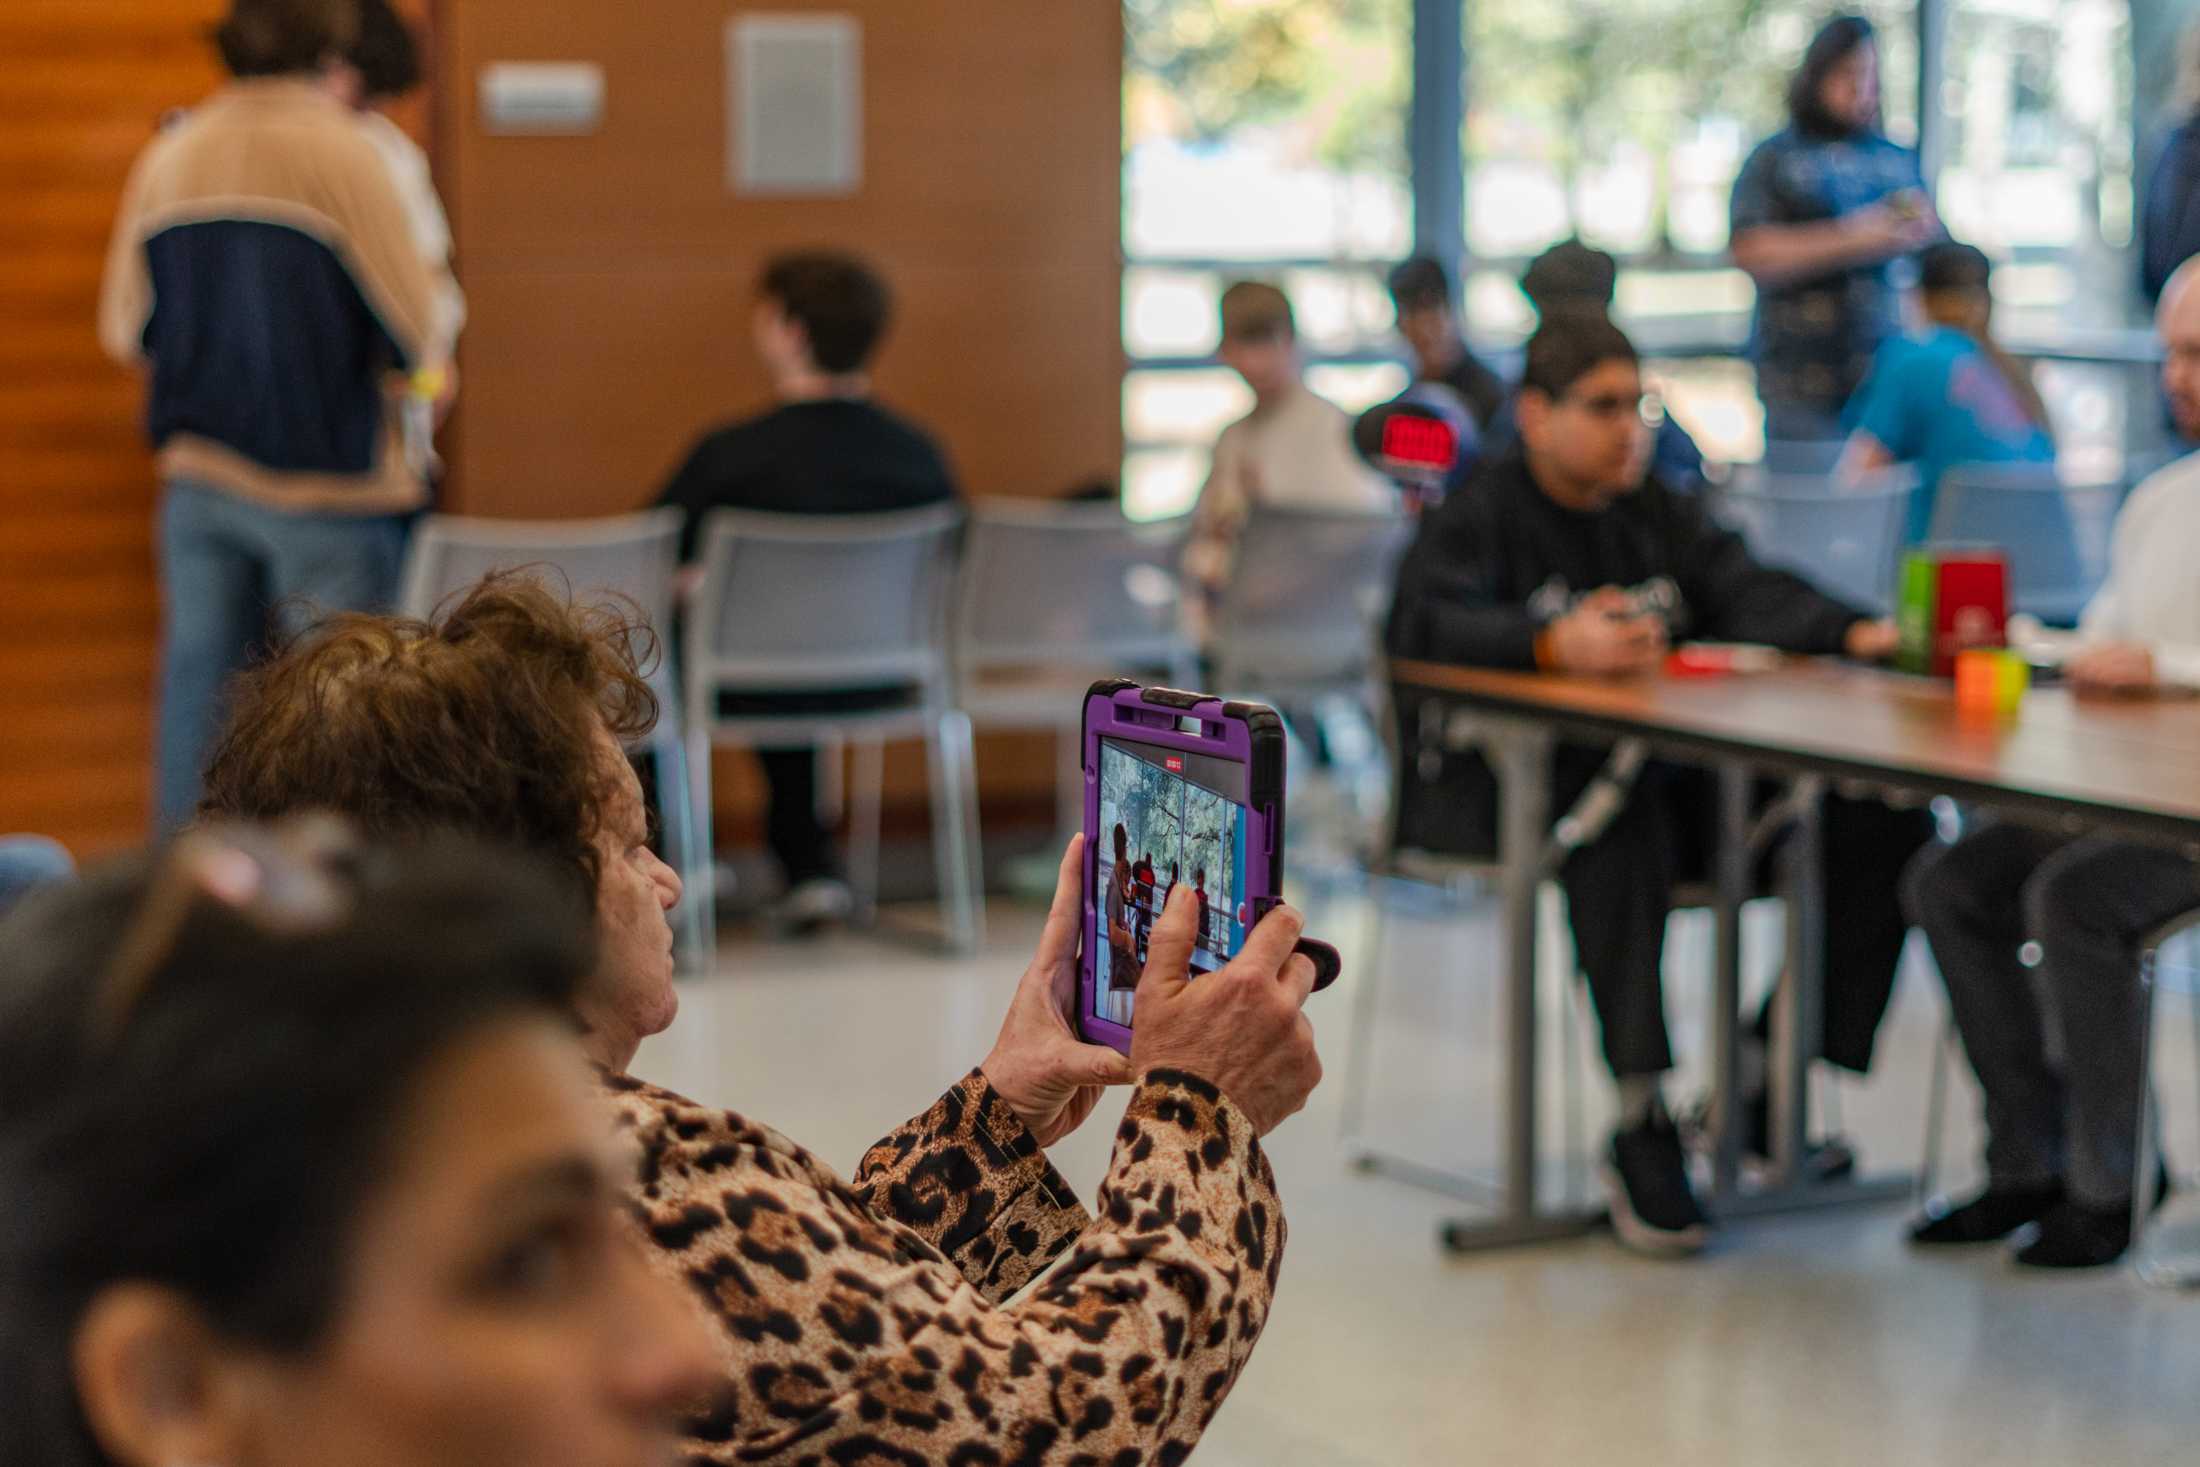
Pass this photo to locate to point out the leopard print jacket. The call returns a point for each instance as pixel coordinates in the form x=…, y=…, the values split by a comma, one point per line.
x=870, y=1323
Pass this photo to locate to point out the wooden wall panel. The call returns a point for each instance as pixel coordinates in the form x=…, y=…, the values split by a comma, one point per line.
x=610, y=275
x=79, y=608
x=610, y=280
x=87, y=85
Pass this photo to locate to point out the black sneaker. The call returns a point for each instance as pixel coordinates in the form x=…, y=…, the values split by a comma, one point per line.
x=1654, y=1210
x=1987, y=1218
x=2073, y=1235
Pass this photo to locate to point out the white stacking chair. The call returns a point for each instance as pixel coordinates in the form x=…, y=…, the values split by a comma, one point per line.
x=789, y=605
x=1051, y=597
x=1306, y=587
x=2056, y=534
x=1847, y=541
x=635, y=556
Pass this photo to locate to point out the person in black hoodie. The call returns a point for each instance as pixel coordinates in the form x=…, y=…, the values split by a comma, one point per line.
x=826, y=448
x=1566, y=554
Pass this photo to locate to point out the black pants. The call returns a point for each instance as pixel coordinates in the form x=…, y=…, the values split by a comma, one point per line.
x=1619, y=889
x=2057, y=1049
x=791, y=827
x=797, y=837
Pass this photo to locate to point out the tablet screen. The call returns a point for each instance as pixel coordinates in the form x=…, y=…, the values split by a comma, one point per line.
x=1167, y=818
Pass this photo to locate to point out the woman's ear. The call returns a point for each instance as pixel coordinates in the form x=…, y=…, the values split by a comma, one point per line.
x=156, y=1384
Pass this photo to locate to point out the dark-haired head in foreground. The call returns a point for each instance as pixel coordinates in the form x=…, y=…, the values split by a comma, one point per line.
x=302, y=1168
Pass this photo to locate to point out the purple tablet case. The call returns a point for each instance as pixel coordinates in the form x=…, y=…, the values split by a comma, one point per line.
x=1244, y=734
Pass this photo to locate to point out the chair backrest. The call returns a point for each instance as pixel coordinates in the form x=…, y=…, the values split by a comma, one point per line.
x=632, y=555
x=1846, y=541
x=1046, y=583
x=1802, y=455
x=2056, y=535
x=796, y=602
x=1305, y=591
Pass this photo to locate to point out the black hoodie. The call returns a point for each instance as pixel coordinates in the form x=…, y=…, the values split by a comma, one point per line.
x=1497, y=562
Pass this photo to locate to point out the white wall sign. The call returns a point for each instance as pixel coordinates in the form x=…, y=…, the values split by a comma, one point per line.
x=547, y=97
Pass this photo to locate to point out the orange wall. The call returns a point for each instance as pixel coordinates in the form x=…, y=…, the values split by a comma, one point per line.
x=87, y=84
x=608, y=276
x=78, y=615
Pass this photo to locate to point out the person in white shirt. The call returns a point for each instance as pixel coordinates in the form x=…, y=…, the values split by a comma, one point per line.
x=2062, y=1113
x=1293, y=450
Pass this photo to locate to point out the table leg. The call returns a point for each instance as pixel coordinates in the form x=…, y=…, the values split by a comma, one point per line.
x=1734, y=871
x=1798, y=1022
x=1797, y=1016
x=1520, y=754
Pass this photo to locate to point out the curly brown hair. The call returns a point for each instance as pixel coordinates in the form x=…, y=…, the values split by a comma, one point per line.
x=482, y=720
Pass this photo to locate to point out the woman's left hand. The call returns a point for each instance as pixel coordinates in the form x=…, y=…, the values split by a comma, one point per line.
x=1050, y=1077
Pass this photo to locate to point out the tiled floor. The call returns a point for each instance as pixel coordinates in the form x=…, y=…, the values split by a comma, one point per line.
x=1800, y=1341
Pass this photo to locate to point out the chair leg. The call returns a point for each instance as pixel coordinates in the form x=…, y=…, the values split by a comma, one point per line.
x=1360, y=1042
x=2143, y=1152
x=700, y=875
x=867, y=789
x=1936, y=1107
x=950, y=763
x=676, y=814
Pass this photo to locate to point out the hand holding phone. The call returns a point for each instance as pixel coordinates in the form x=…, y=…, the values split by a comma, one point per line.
x=1242, y=1028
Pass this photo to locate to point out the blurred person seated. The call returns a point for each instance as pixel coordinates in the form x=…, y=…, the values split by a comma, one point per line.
x=379, y=68
x=1570, y=276
x=1428, y=319
x=1568, y=556
x=826, y=448
x=264, y=275
x=304, y=1169
x=2058, y=1047
x=1292, y=451
x=837, y=1303
x=1947, y=394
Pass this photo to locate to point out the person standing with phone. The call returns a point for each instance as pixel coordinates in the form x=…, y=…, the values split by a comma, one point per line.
x=1820, y=213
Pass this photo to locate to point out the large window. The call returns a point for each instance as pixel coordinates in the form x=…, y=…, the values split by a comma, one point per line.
x=1267, y=137
x=1626, y=122
x=1262, y=138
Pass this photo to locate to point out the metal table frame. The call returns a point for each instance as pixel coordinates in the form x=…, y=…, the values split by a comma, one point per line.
x=1518, y=741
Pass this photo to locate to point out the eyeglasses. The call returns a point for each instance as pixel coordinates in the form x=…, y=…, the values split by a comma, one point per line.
x=1610, y=405
x=291, y=879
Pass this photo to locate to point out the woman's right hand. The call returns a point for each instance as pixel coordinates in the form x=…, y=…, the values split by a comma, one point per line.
x=1242, y=1027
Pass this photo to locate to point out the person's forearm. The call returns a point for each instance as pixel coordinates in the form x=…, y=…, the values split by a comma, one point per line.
x=1123, y=1354
x=970, y=1179
x=1780, y=254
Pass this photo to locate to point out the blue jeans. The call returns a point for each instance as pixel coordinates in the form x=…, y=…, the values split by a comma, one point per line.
x=28, y=861
x=235, y=572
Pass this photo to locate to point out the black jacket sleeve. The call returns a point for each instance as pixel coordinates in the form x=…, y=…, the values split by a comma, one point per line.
x=693, y=490
x=1737, y=599
x=1449, y=606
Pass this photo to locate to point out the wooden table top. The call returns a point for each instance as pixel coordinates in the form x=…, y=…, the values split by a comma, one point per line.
x=2133, y=763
